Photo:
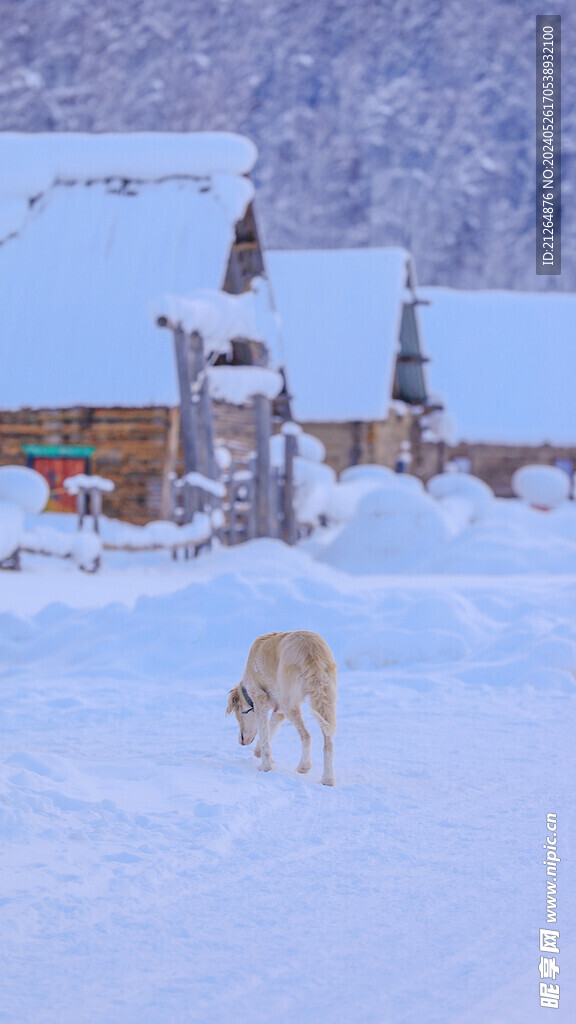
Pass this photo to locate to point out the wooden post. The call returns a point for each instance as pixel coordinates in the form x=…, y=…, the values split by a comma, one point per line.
x=81, y=506
x=232, y=519
x=441, y=451
x=189, y=437
x=252, y=513
x=95, y=507
x=277, y=501
x=188, y=504
x=202, y=404
x=263, y=424
x=290, y=448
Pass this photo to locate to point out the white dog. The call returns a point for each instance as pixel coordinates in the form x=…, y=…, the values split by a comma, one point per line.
x=282, y=670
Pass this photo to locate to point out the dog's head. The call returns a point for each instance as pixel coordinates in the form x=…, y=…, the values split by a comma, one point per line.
x=245, y=715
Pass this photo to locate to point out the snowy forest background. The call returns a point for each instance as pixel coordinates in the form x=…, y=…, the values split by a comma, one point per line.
x=377, y=123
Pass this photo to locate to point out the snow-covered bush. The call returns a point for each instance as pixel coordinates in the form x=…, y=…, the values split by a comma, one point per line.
x=313, y=479
x=22, y=490
x=369, y=471
x=85, y=549
x=462, y=485
x=25, y=487
x=307, y=446
x=11, y=525
x=463, y=498
x=313, y=486
x=543, y=487
x=395, y=528
x=356, y=481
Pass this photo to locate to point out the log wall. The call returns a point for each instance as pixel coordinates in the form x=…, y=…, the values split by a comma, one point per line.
x=495, y=464
x=135, y=448
x=131, y=447
x=138, y=448
x=349, y=444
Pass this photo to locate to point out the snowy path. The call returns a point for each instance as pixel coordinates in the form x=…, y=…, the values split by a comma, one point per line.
x=150, y=873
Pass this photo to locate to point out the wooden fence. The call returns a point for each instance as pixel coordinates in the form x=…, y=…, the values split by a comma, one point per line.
x=256, y=499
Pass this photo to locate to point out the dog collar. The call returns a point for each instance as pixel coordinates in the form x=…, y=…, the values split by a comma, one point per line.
x=248, y=700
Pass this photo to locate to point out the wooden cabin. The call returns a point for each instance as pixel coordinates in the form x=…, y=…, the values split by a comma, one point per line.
x=504, y=364
x=94, y=232
x=353, y=350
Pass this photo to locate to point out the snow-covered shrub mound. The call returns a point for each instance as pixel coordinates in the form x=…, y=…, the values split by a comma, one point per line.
x=314, y=482
x=313, y=479
x=310, y=447
x=85, y=549
x=345, y=498
x=369, y=471
x=395, y=529
x=25, y=487
x=513, y=538
x=307, y=446
x=543, y=487
x=462, y=485
x=347, y=494
x=464, y=499
x=408, y=482
x=11, y=526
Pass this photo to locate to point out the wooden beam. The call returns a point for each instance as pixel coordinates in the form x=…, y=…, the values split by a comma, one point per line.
x=263, y=424
x=290, y=448
x=187, y=425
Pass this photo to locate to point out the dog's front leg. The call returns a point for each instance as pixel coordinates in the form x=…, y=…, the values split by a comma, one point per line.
x=261, y=712
x=274, y=724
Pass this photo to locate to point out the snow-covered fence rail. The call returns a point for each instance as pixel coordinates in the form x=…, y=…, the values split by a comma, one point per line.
x=164, y=535
x=194, y=494
x=83, y=548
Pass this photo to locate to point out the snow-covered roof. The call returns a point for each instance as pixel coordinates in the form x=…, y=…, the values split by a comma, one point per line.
x=340, y=311
x=116, y=223
x=504, y=363
x=32, y=162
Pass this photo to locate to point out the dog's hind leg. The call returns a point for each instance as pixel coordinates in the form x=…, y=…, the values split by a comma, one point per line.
x=295, y=716
x=323, y=707
x=328, y=774
x=274, y=724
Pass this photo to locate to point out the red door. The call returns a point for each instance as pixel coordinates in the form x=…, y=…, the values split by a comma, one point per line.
x=56, y=469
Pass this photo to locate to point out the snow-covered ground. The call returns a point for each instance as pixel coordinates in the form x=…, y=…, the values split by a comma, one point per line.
x=150, y=873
